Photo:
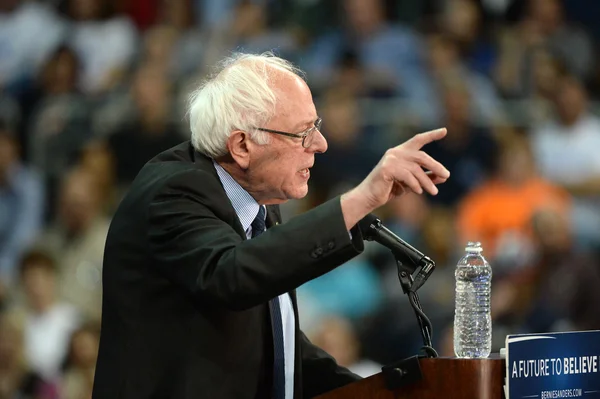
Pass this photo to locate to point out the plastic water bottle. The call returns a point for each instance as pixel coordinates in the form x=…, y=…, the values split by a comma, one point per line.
x=472, y=317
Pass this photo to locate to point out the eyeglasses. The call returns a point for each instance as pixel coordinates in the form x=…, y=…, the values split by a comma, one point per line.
x=307, y=136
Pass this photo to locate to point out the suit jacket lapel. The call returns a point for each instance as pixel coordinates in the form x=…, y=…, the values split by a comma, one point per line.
x=206, y=164
x=273, y=218
x=273, y=215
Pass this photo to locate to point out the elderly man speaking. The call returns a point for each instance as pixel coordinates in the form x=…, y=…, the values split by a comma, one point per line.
x=199, y=271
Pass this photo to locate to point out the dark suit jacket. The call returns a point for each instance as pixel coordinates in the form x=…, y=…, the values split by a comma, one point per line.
x=185, y=296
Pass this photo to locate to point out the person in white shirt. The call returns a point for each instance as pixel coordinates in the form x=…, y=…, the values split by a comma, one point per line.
x=29, y=33
x=566, y=151
x=47, y=323
x=106, y=44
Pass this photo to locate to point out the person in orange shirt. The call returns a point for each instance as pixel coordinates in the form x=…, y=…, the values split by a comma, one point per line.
x=498, y=213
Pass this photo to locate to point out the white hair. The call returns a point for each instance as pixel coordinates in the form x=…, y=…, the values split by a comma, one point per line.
x=238, y=96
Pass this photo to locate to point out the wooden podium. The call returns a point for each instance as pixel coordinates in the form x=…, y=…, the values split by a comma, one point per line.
x=448, y=378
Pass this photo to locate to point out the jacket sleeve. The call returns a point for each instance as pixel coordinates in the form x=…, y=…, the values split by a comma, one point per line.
x=207, y=258
x=320, y=371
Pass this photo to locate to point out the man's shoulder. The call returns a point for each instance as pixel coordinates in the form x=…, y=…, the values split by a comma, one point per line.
x=182, y=153
x=178, y=168
x=176, y=180
x=180, y=160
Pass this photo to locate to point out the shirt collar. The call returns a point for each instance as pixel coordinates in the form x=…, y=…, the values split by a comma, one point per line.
x=243, y=203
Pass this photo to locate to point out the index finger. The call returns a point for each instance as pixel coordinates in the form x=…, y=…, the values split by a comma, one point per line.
x=421, y=139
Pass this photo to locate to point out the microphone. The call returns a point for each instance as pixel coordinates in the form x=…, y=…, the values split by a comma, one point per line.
x=373, y=230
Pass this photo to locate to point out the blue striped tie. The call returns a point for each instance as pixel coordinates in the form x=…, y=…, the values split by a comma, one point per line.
x=258, y=227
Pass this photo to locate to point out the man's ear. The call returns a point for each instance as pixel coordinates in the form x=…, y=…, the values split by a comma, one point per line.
x=237, y=144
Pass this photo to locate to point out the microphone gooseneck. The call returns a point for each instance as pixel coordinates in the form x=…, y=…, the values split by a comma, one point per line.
x=409, y=261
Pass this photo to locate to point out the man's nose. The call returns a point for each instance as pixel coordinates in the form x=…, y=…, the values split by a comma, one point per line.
x=319, y=143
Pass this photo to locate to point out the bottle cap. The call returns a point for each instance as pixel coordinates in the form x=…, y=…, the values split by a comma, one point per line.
x=473, y=246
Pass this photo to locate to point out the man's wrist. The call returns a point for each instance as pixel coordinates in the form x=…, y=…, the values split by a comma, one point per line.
x=353, y=208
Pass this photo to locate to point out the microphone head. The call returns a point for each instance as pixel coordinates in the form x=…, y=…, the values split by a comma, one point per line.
x=368, y=226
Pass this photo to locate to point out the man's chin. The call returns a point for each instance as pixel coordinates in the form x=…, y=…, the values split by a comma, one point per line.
x=298, y=193
x=277, y=201
x=301, y=192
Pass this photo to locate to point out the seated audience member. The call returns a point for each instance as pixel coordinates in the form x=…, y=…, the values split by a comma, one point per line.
x=337, y=337
x=21, y=205
x=558, y=292
x=76, y=239
x=46, y=321
x=31, y=30
x=59, y=117
x=498, y=213
x=105, y=42
x=353, y=292
x=78, y=380
x=151, y=131
x=566, y=152
x=468, y=148
x=352, y=154
x=16, y=378
x=544, y=26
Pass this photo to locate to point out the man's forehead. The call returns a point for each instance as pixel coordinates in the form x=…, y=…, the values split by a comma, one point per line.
x=286, y=81
x=294, y=107
x=294, y=94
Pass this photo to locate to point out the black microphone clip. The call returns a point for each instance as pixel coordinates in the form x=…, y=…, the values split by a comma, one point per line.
x=416, y=264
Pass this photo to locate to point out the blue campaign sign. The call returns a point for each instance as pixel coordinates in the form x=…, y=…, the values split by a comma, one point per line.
x=558, y=365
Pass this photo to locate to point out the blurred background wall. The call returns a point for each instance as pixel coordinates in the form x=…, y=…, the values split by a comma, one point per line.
x=92, y=89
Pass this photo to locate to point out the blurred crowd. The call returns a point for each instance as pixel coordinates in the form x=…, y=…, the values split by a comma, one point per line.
x=92, y=89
